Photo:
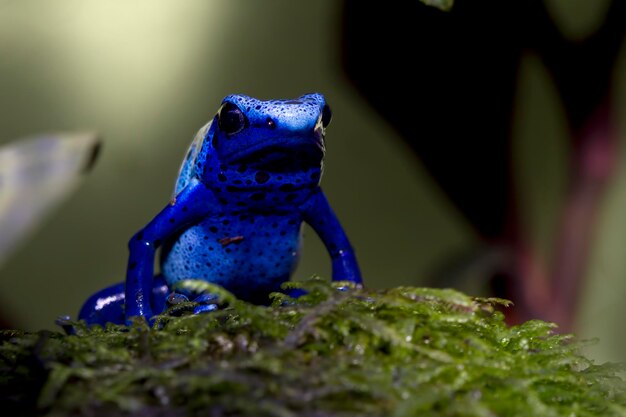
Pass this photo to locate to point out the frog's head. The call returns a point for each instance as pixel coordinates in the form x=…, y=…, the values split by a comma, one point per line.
x=253, y=147
x=273, y=136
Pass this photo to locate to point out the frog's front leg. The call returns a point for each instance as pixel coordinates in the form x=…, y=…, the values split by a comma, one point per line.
x=320, y=216
x=192, y=204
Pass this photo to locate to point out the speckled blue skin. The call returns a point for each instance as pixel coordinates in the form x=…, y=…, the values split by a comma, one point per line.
x=246, y=186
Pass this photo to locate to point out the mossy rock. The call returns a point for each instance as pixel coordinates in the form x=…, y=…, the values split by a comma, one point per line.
x=336, y=351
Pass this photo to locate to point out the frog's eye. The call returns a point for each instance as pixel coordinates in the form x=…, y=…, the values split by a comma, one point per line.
x=327, y=115
x=230, y=119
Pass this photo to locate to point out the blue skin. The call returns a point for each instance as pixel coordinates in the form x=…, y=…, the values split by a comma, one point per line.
x=249, y=180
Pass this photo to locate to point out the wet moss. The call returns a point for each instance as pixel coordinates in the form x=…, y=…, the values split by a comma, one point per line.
x=336, y=351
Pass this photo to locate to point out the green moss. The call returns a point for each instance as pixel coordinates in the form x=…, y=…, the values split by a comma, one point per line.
x=398, y=352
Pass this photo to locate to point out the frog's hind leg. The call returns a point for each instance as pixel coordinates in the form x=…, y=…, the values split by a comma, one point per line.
x=107, y=305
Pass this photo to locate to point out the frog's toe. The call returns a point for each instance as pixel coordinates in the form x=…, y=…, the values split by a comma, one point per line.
x=204, y=308
x=296, y=292
x=206, y=298
x=66, y=323
x=176, y=298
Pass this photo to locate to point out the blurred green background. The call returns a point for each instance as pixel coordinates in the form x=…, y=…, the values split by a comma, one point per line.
x=147, y=75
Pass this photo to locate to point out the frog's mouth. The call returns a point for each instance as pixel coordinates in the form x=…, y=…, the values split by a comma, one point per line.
x=284, y=159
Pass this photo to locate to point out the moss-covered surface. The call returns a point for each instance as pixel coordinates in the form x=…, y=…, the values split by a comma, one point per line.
x=333, y=352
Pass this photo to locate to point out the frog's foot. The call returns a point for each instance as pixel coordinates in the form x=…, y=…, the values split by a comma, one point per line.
x=204, y=303
x=107, y=305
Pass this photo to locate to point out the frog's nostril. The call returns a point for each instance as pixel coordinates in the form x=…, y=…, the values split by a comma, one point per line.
x=270, y=123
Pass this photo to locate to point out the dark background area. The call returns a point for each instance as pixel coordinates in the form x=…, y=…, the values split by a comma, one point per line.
x=148, y=76
x=461, y=78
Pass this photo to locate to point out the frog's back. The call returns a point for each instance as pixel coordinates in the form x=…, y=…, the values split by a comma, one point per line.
x=187, y=171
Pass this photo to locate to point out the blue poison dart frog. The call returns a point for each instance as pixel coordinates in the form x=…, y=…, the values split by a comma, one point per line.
x=248, y=182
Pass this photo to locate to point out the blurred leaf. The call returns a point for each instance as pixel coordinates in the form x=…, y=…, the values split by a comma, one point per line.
x=36, y=174
x=440, y=4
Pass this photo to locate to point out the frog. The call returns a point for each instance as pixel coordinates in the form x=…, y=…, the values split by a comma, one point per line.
x=249, y=182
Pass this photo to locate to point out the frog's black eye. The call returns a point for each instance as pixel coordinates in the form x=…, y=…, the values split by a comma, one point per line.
x=230, y=119
x=327, y=115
